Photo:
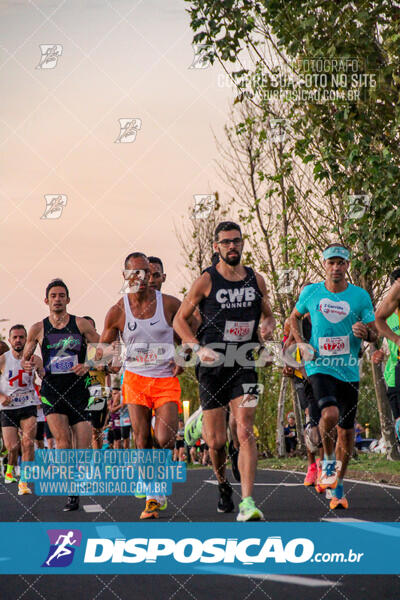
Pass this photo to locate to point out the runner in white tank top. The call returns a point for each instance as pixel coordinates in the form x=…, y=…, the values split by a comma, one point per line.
x=143, y=318
x=149, y=342
x=18, y=402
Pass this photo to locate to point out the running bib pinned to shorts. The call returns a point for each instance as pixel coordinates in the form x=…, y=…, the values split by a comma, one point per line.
x=332, y=346
x=238, y=331
x=63, y=364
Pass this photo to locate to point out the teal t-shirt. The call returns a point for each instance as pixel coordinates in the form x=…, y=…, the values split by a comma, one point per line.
x=332, y=316
x=393, y=322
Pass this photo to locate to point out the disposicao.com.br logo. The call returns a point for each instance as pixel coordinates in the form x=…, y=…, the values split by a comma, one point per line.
x=191, y=550
x=63, y=543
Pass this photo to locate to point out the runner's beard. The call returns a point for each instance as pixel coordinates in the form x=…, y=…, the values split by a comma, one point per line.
x=232, y=260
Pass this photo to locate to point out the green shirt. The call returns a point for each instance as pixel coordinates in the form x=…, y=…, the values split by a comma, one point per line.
x=393, y=322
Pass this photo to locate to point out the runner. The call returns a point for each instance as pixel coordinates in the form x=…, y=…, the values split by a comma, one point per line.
x=143, y=318
x=115, y=417
x=97, y=381
x=18, y=400
x=157, y=275
x=232, y=299
x=341, y=316
x=63, y=339
x=179, y=450
x=387, y=322
x=305, y=395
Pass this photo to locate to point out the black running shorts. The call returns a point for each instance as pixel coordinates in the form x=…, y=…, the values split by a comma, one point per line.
x=329, y=391
x=219, y=385
x=74, y=408
x=125, y=431
x=40, y=431
x=13, y=416
x=98, y=417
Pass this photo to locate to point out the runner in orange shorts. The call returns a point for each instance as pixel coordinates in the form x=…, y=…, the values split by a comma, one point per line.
x=143, y=318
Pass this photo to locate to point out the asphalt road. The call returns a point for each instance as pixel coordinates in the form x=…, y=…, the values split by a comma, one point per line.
x=280, y=495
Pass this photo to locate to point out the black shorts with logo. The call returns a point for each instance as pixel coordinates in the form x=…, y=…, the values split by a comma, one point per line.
x=219, y=385
x=74, y=408
x=329, y=391
x=13, y=416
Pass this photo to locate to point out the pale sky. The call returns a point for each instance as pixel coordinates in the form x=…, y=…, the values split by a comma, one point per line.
x=120, y=59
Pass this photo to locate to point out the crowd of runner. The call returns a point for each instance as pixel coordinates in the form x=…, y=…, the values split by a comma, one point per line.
x=120, y=388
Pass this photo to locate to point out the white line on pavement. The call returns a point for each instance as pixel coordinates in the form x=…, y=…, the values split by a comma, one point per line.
x=383, y=485
x=213, y=482
x=91, y=508
x=291, y=579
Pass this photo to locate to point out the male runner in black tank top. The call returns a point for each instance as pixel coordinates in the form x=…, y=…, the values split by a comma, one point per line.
x=232, y=301
x=63, y=339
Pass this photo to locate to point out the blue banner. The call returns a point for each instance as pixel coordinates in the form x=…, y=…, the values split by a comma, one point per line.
x=200, y=548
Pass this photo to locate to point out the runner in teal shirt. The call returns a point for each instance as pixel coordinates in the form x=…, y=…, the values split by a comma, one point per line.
x=342, y=316
x=332, y=316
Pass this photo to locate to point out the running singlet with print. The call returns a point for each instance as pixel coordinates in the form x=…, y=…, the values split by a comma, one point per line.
x=62, y=349
x=149, y=342
x=18, y=384
x=232, y=311
x=332, y=316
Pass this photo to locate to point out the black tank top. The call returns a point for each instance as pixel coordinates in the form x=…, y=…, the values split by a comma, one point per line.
x=61, y=350
x=232, y=311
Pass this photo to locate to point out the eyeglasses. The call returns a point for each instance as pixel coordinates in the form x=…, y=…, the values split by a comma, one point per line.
x=235, y=241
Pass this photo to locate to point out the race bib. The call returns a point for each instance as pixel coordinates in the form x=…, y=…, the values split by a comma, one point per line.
x=97, y=391
x=332, y=346
x=143, y=355
x=96, y=404
x=125, y=422
x=238, y=331
x=63, y=364
x=21, y=398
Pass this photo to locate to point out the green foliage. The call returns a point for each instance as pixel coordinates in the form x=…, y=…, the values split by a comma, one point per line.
x=352, y=142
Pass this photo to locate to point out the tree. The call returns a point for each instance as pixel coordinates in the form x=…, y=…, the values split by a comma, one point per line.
x=339, y=75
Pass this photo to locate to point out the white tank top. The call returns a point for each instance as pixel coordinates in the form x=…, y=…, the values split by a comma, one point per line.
x=149, y=342
x=18, y=384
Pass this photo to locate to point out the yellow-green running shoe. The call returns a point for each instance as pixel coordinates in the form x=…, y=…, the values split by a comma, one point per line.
x=248, y=511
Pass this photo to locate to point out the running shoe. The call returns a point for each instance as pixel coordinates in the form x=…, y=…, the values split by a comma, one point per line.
x=311, y=475
x=234, y=456
x=338, y=503
x=329, y=474
x=23, y=488
x=248, y=511
x=72, y=504
x=193, y=427
x=151, y=510
x=397, y=428
x=317, y=487
x=163, y=502
x=225, y=502
x=9, y=478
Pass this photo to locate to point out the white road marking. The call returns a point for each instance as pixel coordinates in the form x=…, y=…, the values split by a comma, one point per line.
x=291, y=579
x=284, y=484
x=294, y=579
x=345, y=520
x=383, y=485
x=92, y=508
